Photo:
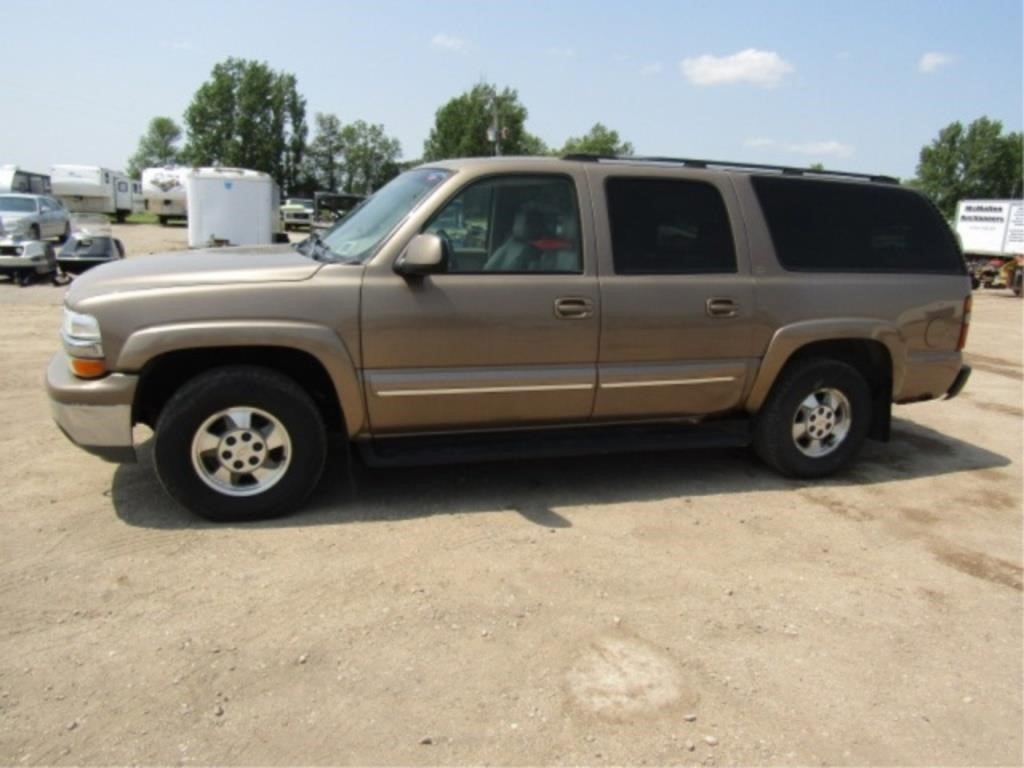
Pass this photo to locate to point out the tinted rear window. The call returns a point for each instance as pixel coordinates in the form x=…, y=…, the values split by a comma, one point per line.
x=668, y=227
x=824, y=226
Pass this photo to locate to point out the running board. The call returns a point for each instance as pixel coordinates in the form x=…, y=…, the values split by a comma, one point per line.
x=544, y=443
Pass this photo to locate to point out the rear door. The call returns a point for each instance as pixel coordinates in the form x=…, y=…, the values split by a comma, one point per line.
x=678, y=316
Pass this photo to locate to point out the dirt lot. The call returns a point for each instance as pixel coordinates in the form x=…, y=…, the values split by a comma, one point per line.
x=682, y=608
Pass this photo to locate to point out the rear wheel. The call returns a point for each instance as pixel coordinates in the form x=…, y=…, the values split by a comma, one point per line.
x=240, y=443
x=162, y=220
x=63, y=237
x=815, y=419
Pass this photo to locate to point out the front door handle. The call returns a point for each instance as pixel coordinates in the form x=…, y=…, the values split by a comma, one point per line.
x=573, y=308
x=722, y=306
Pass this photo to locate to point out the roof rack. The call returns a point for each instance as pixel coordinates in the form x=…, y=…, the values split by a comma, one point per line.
x=692, y=163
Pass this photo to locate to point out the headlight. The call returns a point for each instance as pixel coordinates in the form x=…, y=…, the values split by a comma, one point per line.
x=81, y=336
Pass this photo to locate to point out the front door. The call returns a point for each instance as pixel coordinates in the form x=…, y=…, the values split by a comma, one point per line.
x=507, y=336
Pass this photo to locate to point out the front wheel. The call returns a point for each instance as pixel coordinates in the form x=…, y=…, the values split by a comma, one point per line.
x=240, y=443
x=815, y=419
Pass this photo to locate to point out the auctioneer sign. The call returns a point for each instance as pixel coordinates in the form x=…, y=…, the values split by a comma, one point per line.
x=991, y=226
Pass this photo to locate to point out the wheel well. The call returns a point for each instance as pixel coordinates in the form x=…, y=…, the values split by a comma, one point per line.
x=164, y=375
x=873, y=361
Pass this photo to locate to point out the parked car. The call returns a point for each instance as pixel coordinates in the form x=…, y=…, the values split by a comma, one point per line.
x=296, y=212
x=23, y=261
x=598, y=305
x=34, y=217
x=84, y=250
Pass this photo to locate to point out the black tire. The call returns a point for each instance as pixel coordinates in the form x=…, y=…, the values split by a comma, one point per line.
x=63, y=238
x=162, y=220
x=188, y=411
x=774, y=440
x=120, y=216
x=33, y=232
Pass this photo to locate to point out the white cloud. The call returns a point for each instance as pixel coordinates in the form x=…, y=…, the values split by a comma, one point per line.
x=933, y=61
x=821, y=149
x=759, y=142
x=651, y=69
x=764, y=68
x=449, y=43
x=563, y=53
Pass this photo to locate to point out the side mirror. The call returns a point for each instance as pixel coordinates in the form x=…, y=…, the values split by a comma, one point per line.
x=423, y=256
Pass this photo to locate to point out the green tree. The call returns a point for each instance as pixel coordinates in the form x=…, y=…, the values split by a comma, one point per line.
x=325, y=153
x=158, y=146
x=600, y=140
x=816, y=167
x=369, y=157
x=462, y=125
x=979, y=162
x=250, y=116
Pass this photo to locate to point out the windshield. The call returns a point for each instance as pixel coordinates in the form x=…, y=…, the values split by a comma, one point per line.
x=357, y=236
x=17, y=204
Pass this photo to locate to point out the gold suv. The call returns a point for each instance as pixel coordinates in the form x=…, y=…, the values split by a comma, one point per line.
x=480, y=308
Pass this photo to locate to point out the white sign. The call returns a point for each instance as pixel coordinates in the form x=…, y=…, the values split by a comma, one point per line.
x=991, y=226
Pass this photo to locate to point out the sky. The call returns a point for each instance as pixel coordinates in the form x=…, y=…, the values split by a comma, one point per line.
x=859, y=86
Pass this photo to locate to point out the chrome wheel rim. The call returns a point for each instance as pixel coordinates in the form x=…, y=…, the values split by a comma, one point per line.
x=821, y=422
x=241, y=451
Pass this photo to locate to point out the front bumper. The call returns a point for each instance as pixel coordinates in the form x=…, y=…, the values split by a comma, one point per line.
x=94, y=414
x=10, y=265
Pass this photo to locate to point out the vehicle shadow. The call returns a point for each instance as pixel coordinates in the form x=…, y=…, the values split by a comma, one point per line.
x=351, y=492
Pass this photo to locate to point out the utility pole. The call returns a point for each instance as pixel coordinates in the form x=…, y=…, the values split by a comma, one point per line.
x=494, y=131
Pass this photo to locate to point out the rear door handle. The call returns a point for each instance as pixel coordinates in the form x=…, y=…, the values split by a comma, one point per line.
x=722, y=306
x=573, y=308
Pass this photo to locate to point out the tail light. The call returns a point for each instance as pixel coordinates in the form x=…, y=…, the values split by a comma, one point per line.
x=965, y=324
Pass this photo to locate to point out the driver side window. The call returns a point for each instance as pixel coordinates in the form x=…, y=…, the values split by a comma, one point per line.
x=512, y=225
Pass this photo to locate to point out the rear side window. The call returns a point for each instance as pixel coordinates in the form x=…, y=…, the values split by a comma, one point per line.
x=820, y=226
x=668, y=227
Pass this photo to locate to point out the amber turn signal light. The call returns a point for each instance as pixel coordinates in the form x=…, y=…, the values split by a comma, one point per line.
x=88, y=368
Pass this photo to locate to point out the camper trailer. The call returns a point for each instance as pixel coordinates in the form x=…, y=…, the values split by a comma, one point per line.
x=92, y=189
x=231, y=206
x=163, y=190
x=14, y=179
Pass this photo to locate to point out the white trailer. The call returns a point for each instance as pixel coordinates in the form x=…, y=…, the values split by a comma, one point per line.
x=991, y=227
x=231, y=206
x=15, y=179
x=163, y=190
x=92, y=189
x=991, y=234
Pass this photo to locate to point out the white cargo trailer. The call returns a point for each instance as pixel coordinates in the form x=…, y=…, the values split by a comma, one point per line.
x=991, y=234
x=991, y=227
x=231, y=206
x=92, y=189
x=164, y=191
x=15, y=179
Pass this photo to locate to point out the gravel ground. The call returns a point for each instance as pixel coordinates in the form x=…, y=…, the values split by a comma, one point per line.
x=681, y=608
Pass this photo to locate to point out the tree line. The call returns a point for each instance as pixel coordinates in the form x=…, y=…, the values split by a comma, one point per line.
x=249, y=115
